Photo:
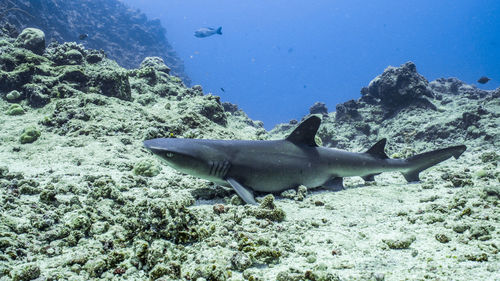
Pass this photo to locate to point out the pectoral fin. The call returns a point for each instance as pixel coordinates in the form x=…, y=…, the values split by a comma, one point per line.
x=334, y=184
x=245, y=193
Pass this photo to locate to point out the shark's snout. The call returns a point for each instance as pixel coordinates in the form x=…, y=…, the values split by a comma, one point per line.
x=154, y=146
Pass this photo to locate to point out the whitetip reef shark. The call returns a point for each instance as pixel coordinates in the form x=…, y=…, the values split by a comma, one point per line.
x=271, y=166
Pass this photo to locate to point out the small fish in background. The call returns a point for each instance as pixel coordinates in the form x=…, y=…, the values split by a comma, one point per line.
x=207, y=31
x=290, y=50
x=83, y=36
x=222, y=89
x=483, y=80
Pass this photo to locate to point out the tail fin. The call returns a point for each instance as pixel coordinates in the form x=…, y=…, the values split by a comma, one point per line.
x=422, y=161
x=219, y=30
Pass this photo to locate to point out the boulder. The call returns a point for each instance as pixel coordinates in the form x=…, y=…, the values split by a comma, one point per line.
x=398, y=87
x=32, y=39
x=157, y=63
x=318, y=108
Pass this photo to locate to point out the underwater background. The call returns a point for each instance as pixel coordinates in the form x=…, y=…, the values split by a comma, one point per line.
x=84, y=83
x=276, y=58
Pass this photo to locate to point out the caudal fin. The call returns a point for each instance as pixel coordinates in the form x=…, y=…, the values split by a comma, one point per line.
x=422, y=161
x=219, y=30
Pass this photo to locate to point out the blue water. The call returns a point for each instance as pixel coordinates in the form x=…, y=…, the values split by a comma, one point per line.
x=277, y=57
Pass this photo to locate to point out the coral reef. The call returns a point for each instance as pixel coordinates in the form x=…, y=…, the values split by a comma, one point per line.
x=126, y=35
x=81, y=199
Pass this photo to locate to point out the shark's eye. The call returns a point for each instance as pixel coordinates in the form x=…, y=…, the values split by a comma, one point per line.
x=169, y=154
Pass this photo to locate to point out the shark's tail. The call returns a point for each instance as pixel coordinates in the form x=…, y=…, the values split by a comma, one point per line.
x=422, y=161
x=219, y=30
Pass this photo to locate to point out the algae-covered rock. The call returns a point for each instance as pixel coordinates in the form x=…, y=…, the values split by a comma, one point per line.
x=13, y=95
x=37, y=94
x=147, y=168
x=212, y=272
x=294, y=274
x=268, y=210
x=156, y=63
x=400, y=243
x=29, y=135
x=48, y=196
x=267, y=255
x=32, y=39
x=96, y=267
x=443, y=238
x=15, y=109
x=112, y=82
x=241, y=261
x=171, y=270
x=25, y=272
x=490, y=157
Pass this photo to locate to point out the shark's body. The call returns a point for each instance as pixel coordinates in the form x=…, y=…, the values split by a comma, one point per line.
x=277, y=165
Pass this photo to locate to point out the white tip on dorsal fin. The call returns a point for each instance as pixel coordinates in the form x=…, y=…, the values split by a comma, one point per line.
x=305, y=132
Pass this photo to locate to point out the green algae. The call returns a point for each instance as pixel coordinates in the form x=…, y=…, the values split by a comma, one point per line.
x=25, y=272
x=29, y=135
x=15, y=109
x=13, y=95
x=147, y=168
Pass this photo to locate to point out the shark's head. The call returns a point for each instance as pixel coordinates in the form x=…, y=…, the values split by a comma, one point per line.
x=185, y=155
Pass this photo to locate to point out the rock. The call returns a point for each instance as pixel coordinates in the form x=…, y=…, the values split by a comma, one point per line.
x=268, y=210
x=132, y=38
x=113, y=83
x=15, y=109
x=29, y=135
x=37, y=94
x=156, y=63
x=401, y=243
x=240, y=261
x=74, y=57
x=32, y=39
x=13, y=95
x=318, y=108
x=346, y=111
x=443, y=238
x=400, y=86
x=229, y=107
x=25, y=272
x=211, y=108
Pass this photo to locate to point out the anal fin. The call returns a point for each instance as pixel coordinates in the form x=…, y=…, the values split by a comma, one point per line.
x=369, y=177
x=245, y=193
x=334, y=184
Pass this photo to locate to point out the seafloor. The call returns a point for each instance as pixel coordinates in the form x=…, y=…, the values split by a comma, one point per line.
x=81, y=199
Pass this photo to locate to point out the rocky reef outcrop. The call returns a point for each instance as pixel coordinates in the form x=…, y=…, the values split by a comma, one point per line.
x=84, y=117
x=398, y=87
x=401, y=105
x=126, y=35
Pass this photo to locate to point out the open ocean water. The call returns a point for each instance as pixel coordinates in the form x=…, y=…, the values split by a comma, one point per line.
x=276, y=58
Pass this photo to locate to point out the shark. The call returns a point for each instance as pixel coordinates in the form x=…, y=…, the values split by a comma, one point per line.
x=272, y=166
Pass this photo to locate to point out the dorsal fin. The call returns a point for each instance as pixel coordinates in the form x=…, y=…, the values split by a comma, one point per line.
x=377, y=150
x=305, y=132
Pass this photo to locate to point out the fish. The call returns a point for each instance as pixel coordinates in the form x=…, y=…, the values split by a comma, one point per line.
x=483, y=80
x=83, y=36
x=272, y=166
x=222, y=89
x=207, y=31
